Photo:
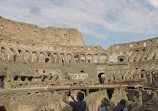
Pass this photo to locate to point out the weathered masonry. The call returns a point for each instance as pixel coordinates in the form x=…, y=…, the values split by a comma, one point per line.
x=37, y=65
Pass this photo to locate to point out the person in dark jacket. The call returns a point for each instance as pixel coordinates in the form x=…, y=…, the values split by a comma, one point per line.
x=121, y=106
x=78, y=105
x=2, y=108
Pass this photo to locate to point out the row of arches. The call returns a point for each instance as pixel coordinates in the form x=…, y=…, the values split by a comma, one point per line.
x=143, y=54
x=44, y=47
x=49, y=57
x=145, y=43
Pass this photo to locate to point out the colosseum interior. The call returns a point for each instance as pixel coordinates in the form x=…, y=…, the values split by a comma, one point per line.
x=38, y=65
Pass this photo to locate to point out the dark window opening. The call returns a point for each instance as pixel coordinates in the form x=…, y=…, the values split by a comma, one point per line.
x=44, y=78
x=110, y=92
x=121, y=59
x=50, y=77
x=30, y=78
x=2, y=78
x=142, y=76
x=14, y=57
x=49, y=54
x=46, y=60
x=6, y=69
x=82, y=61
x=131, y=88
x=19, y=51
x=23, y=78
x=1, y=40
x=93, y=90
x=114, y=77
x=62, y=61
x=52, y=85
x=16, y=78
x=101, y=80
x=75, y=56
x=82, y=71
x=109, y=80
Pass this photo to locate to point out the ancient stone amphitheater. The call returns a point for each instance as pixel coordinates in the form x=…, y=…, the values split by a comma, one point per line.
x=38, y=65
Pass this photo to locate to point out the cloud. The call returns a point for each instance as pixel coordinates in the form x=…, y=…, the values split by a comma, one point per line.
x=128, y=16
x=35, y=10
x=154, y=3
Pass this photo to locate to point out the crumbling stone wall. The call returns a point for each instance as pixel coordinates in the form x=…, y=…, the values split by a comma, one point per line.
x=33, y=59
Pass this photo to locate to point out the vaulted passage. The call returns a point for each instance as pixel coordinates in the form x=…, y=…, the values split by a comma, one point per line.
x=2, y=81
x=100, y=78
x=110, y=92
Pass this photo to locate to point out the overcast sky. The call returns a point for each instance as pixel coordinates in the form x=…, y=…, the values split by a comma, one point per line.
x=101, y=22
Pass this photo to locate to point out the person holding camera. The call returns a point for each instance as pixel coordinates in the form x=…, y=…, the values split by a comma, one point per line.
x=77, y=105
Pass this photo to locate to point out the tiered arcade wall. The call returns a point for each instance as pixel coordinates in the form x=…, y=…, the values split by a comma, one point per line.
x=34, y=58
x=132, y=61
x=107, y=60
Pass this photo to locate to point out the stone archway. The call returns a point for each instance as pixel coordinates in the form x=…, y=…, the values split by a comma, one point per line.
x=95, y=58
x=34, y=56
x=69, y=58
x=89, y=58
x=103, y=58
x=41, y=57
x=83, y=58
x=62, y=58
x=101, y=78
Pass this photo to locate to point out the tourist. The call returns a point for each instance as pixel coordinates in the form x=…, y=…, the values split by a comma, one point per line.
x=78, y=105
x=2, y=108
x=104, y=105
x=121, y=106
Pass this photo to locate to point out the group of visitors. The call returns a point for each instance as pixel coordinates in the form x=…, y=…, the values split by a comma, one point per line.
x=80, y=105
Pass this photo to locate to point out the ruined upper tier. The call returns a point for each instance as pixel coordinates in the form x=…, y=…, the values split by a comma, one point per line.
x=33, y=33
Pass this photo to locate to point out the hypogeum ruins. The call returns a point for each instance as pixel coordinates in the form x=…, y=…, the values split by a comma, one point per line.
x=38, y=65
